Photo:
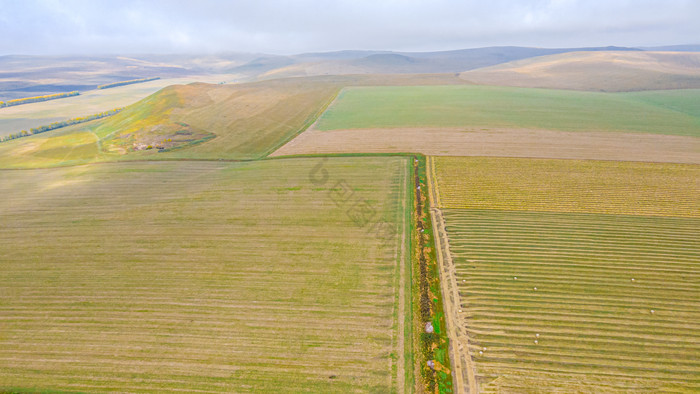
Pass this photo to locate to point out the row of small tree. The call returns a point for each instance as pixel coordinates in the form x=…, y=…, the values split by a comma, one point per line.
x=58, y=125
x=129, y=82
x=36, y=99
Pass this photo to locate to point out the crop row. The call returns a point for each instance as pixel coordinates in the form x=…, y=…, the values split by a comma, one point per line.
x=629, y=188
x=200, y=276
x=582, y=302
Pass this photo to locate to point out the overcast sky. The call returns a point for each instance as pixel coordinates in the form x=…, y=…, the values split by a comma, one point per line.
x=286, y=26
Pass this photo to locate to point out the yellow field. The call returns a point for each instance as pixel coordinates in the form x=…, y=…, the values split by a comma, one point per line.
x=629, y=188
x=571, y=276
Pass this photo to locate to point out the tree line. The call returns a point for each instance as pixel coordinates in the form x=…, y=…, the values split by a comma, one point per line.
x=129, y=82
x=36, y=99
x=58, y=125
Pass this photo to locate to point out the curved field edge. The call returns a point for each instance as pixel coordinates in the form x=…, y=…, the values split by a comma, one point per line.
x=203, y=122
x=504, y=107
x=188, y=241
x=198, y=121
x=15, y=119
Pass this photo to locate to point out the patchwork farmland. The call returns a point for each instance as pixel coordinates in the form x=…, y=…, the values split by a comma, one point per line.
x=204, y=276
x=659, y=126
x=174, y=247
x=585, y=280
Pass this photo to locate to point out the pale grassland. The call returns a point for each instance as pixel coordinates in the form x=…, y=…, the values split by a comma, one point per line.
x=201, y=276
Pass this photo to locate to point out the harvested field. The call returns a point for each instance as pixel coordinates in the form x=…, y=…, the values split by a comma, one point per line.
x=571, y=276
x=203, y=276
x=630, y=188
x=589, y=324
x=499, y=143
x=511, y=108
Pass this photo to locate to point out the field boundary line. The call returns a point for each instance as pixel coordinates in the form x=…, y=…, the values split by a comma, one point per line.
x=448, y=282
x=402, y=255
x=309, y=124
x=433, y=192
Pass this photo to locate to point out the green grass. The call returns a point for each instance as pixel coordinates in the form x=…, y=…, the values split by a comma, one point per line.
x=683, y=101
x=229, y=277
x=597, y=332
x=489, y=107
x=25, y=117
x=232, y=122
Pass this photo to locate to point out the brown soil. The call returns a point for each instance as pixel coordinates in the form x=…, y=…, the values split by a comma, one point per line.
x=501, y=143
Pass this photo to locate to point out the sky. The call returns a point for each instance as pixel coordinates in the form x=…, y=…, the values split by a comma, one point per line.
x=72, y=27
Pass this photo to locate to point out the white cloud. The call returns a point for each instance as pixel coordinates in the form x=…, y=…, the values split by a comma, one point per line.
x=284, y=26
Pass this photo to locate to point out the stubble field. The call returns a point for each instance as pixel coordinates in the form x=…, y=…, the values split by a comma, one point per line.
x=574, y=275
x=203, y=276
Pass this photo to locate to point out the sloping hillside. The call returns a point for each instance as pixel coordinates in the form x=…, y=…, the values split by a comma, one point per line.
x=28, y=76
x=203, y=121
x=613, y=71
x=247, y=120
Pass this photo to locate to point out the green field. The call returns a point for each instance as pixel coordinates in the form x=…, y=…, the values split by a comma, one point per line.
x=575, y=276
x=596, y=330
x=504, y=107
x=203, y=276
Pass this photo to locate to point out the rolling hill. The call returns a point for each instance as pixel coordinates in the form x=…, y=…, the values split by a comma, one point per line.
x=385, y=62
x=27, y=76
x=610, y=71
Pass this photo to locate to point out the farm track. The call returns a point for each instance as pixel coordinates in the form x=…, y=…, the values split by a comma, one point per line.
x=160, y=276
x=463, y=374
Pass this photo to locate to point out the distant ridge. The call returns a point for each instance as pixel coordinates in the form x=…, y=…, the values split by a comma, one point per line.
x=387, y=62
x=610, y=71
x=675, y=48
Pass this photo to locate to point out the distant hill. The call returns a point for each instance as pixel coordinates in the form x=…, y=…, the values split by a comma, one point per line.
x=364, y=62
x=610, y=71
x=675, y=48
x=27, y=76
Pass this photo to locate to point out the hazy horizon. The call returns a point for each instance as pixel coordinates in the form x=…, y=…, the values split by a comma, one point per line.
x=77, y=27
